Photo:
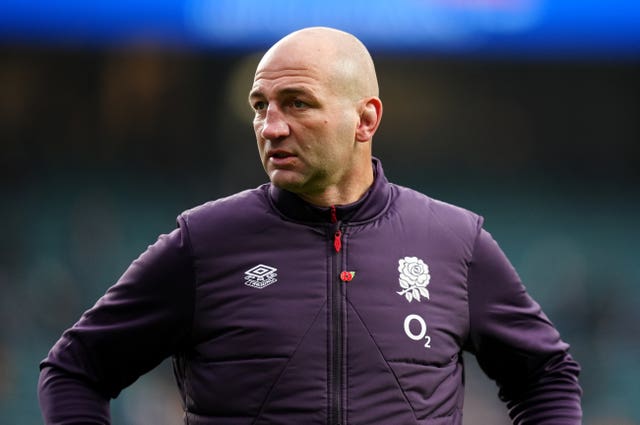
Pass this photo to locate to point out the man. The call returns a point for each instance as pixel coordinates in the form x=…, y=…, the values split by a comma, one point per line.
x=329, y=296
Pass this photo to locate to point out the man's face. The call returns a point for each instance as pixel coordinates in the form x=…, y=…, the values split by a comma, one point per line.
x=304, y=124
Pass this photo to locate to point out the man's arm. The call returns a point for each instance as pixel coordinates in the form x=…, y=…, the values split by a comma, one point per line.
x=67, y=399
x=517, y=346
x=144, y=318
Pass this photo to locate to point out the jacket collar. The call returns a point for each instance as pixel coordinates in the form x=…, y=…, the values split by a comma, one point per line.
x=373, y=203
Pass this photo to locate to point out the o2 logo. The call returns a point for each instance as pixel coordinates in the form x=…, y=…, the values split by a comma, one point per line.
x=416, y=328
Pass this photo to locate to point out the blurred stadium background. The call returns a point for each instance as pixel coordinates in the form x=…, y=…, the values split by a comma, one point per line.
x=117, y=115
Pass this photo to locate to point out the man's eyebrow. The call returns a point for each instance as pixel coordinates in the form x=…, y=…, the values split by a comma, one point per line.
x=288, y=91
x=255, y=93
x=293, y=91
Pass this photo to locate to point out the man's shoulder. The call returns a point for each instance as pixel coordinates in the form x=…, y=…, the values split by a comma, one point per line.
x=453, y=217
x=229, y=208
x=410, y=195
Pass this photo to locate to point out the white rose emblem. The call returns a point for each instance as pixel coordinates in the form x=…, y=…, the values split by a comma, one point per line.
x=414, y=278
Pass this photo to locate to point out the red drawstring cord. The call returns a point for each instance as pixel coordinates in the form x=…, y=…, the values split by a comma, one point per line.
x=337, y=243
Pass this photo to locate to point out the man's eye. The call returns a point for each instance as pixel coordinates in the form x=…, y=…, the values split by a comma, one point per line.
x=298, y=104
x=259, y=105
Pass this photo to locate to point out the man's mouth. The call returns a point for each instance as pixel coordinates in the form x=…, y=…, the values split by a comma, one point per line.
x=279, y=155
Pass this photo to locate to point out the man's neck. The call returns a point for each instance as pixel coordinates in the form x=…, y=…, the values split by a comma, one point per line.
x=344, y=195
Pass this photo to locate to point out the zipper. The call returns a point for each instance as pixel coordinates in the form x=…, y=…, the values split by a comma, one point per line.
x=336, y=330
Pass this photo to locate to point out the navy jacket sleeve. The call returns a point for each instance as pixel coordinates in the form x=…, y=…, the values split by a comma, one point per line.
x=516, y=345
x=141, y=320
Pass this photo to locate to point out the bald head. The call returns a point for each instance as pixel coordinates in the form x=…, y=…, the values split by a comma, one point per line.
x=339, y=57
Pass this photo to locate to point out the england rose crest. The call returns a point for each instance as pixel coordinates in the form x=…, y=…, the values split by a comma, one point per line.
x=414, y=278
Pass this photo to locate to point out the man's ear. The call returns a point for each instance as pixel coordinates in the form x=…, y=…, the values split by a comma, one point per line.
x=370, y=115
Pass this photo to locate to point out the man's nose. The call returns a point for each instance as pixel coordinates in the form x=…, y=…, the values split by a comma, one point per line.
x=274, y=125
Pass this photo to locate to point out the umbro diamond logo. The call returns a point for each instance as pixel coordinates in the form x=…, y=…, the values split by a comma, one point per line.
x=260, y=276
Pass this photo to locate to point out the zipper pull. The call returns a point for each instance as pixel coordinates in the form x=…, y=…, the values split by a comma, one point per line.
x=337, y=242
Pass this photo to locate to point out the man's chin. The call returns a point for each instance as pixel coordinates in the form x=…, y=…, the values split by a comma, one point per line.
x=287, y=180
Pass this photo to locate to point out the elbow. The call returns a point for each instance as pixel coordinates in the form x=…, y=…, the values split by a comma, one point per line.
x=66, y=399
